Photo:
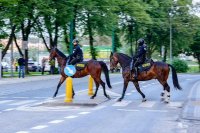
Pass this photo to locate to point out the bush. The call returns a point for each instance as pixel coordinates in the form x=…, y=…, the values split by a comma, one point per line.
x=180, y=65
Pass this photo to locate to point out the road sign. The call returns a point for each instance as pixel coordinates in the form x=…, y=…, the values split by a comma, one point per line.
x=69, y=70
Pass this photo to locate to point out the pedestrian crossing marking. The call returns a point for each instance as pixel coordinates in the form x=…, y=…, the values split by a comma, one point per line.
x=147, y=104
x=39, y=127
x=5, y=101
x=122, y=103
x=23, y=102
x=56, y=121
x=175, y=104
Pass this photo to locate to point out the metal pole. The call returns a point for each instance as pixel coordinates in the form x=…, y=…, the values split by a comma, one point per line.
x=113, y=40
x=71, y=37
x=0, y=61
x=11, y=60
x=170, y=41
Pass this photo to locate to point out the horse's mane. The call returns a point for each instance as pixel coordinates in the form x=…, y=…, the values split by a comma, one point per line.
x=125, y=56
x=61, y=54
x=124, y=59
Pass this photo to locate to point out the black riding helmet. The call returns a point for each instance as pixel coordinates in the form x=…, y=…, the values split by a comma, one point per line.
x=140, y=41
x=75, y=40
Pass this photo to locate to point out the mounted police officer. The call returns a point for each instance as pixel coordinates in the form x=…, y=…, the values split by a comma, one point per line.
x=77, y=55
x=140, y=56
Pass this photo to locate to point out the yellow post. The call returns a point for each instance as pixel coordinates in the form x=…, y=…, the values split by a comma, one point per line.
x=68, y=90
x=90, y=86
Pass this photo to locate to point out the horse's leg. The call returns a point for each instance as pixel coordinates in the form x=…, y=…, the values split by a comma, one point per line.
x=124, y=90
x=138, y=89
x=97, y=87
x=73, y=93
x=164, y=89
x=104, y=89
x=167, y=93
x=62, y=79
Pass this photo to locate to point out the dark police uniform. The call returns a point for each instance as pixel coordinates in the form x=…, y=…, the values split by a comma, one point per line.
x=139, y=58
x=141, y=55
x=76, y=56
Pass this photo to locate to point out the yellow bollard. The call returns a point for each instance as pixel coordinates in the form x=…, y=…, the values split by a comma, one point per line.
x=68, y=90
x=90, y=86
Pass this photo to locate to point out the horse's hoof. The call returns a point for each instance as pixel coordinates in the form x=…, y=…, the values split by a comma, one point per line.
x=92, y=97
x=144, y=100
x=108, y=97
x=166, y=102
x=119, y=100
x=162, y=99
x=162, y=94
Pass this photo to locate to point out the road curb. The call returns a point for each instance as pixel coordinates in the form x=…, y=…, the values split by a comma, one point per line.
x=191, y=110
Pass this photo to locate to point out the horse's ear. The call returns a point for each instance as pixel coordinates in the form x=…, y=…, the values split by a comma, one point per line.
x=111, y=54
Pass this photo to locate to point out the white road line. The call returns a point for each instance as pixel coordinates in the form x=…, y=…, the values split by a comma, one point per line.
x=129, y=110
x=128, y=94
x=99, y=107
x=175, y=104
x=160, y=111
x=113, y=93
x=20, y=97
x=56, y=121
x=9, y=109
x=117, y=83
x=147, y=104
x=83, y=113
x=122, y=103
x=39, y=127
x=71, y=117
x=22, y=132
x=23, y=102
x=5, y=101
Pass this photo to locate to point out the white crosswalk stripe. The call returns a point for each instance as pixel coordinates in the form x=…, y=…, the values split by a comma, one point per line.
x=22, y=102
x=122, y=103
x=5, y=101
x=147, y=104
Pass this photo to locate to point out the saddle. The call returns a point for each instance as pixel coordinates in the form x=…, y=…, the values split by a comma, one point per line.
x=146, y=65
x=81, y=65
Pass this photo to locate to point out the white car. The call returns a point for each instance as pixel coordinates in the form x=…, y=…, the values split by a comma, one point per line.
x=5, y=66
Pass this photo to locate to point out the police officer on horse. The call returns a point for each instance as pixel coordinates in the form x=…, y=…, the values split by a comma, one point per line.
x=139, y=58
x=77, y=55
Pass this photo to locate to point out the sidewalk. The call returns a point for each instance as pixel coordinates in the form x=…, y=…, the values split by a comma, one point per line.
x=191, y=110
x=27, y=79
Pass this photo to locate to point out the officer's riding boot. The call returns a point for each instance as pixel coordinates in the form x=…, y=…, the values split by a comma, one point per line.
x=131, y=68
x=136, y=73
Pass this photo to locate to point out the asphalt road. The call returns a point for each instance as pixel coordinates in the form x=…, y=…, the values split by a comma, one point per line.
x=28, y=107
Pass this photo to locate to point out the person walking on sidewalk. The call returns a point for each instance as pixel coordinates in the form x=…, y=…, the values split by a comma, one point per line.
x=21, y=63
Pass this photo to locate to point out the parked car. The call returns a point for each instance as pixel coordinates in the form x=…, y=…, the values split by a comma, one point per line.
x=34, y=66
x=5, y=66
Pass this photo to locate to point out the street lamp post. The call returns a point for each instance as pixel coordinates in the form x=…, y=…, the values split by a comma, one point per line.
x=0, y=61
x=11, y=60
x=170, y=36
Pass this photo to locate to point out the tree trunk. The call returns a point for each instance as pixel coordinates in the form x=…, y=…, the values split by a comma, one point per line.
x=9, y=41
x=92, y=49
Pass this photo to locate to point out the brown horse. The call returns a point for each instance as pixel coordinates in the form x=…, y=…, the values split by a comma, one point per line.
x=158, y=70
x=92, y=68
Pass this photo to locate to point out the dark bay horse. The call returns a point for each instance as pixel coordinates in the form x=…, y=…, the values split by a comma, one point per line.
x=93, y=68
x=159, y=71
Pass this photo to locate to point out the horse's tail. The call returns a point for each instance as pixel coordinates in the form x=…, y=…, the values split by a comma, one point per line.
x=175, y=78
x=106, y=72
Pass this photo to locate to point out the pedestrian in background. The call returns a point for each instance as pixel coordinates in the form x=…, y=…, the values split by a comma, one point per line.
x=52, y=66
x=44, y=60
x=16, y=65
x=21, y=63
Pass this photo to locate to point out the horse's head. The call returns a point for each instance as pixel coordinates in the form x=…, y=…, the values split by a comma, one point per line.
x=52, y=53
x=113, y=61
